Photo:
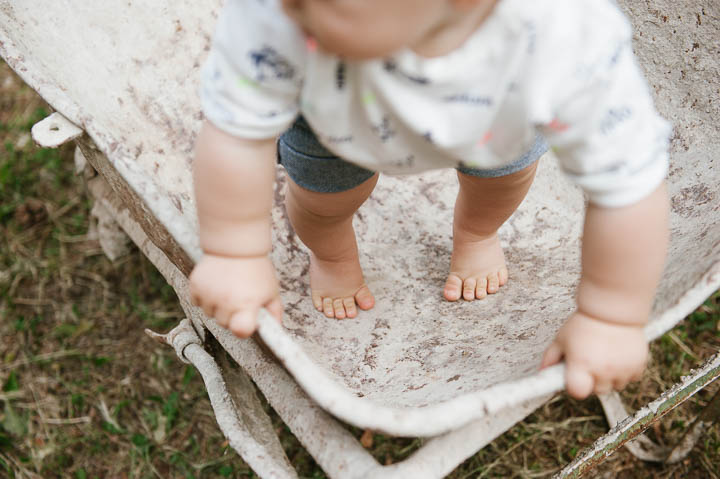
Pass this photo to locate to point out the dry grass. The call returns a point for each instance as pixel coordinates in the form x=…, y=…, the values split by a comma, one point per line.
x=86, y=394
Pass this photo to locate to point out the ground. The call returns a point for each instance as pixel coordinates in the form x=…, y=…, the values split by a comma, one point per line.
x=86, y=394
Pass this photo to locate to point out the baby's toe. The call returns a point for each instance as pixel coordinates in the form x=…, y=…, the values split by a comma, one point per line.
x=452, y=288
x=503, y=276
x=493, y=283
x=469, y=289
x=481, y=288
x=350, y=308
x=317, y=302
x=364, y=298
x=328, y=307
x=339, y=308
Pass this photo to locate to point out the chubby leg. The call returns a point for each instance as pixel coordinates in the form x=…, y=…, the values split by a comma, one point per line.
x=323, y=221
x=477, y=267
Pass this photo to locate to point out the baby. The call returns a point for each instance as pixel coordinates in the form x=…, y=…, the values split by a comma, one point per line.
x=355, y=87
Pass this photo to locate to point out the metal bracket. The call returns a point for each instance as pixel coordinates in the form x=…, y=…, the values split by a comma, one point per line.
x=55, y=130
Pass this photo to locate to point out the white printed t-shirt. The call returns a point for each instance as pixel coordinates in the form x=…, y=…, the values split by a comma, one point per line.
x=562, y=68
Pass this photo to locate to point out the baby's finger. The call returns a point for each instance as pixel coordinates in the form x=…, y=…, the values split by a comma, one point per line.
x=603, y=386
x=275, y=308
x=553, y=354
x=637, y=376
x=209, y=309
x=579, y=382
x=620, y=384
x=195, y=299
x=222, y=317
x=244, y=322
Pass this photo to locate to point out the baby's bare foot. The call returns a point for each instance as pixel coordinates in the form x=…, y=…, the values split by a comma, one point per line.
x=338, y=287
x=477, y=268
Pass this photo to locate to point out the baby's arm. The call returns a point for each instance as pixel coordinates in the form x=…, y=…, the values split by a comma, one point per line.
x=233, y=181
x=622, y=259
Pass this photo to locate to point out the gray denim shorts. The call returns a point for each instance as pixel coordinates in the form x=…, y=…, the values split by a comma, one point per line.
x=312, y=166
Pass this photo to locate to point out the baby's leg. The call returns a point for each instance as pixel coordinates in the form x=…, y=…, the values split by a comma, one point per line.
x=478, y=266
x=323, y=221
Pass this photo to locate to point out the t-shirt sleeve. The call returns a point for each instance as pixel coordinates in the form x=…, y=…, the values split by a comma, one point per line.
x=252, y=78
x=596, y=110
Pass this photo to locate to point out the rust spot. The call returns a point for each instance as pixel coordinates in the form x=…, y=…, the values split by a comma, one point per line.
x=370, y=358
x=685, y=202
x=177, y=203
x=523, y=336
x=454, y=378
x=415, y=388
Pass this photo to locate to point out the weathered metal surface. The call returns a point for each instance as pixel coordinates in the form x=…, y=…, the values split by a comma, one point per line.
x=139, y=209
x=429, y=420
x=338, y=452
x=127, y=71
x=642, y=419
x=333, y=447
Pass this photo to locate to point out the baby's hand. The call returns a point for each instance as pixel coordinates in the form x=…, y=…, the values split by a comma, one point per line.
x=599, y=356
x=233, y=289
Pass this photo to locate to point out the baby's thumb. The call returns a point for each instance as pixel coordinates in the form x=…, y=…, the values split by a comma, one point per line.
x=244, y=322
x=553, y=354
x=275, y=308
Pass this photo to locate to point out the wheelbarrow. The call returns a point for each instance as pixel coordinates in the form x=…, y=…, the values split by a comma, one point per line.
x=123, y=79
